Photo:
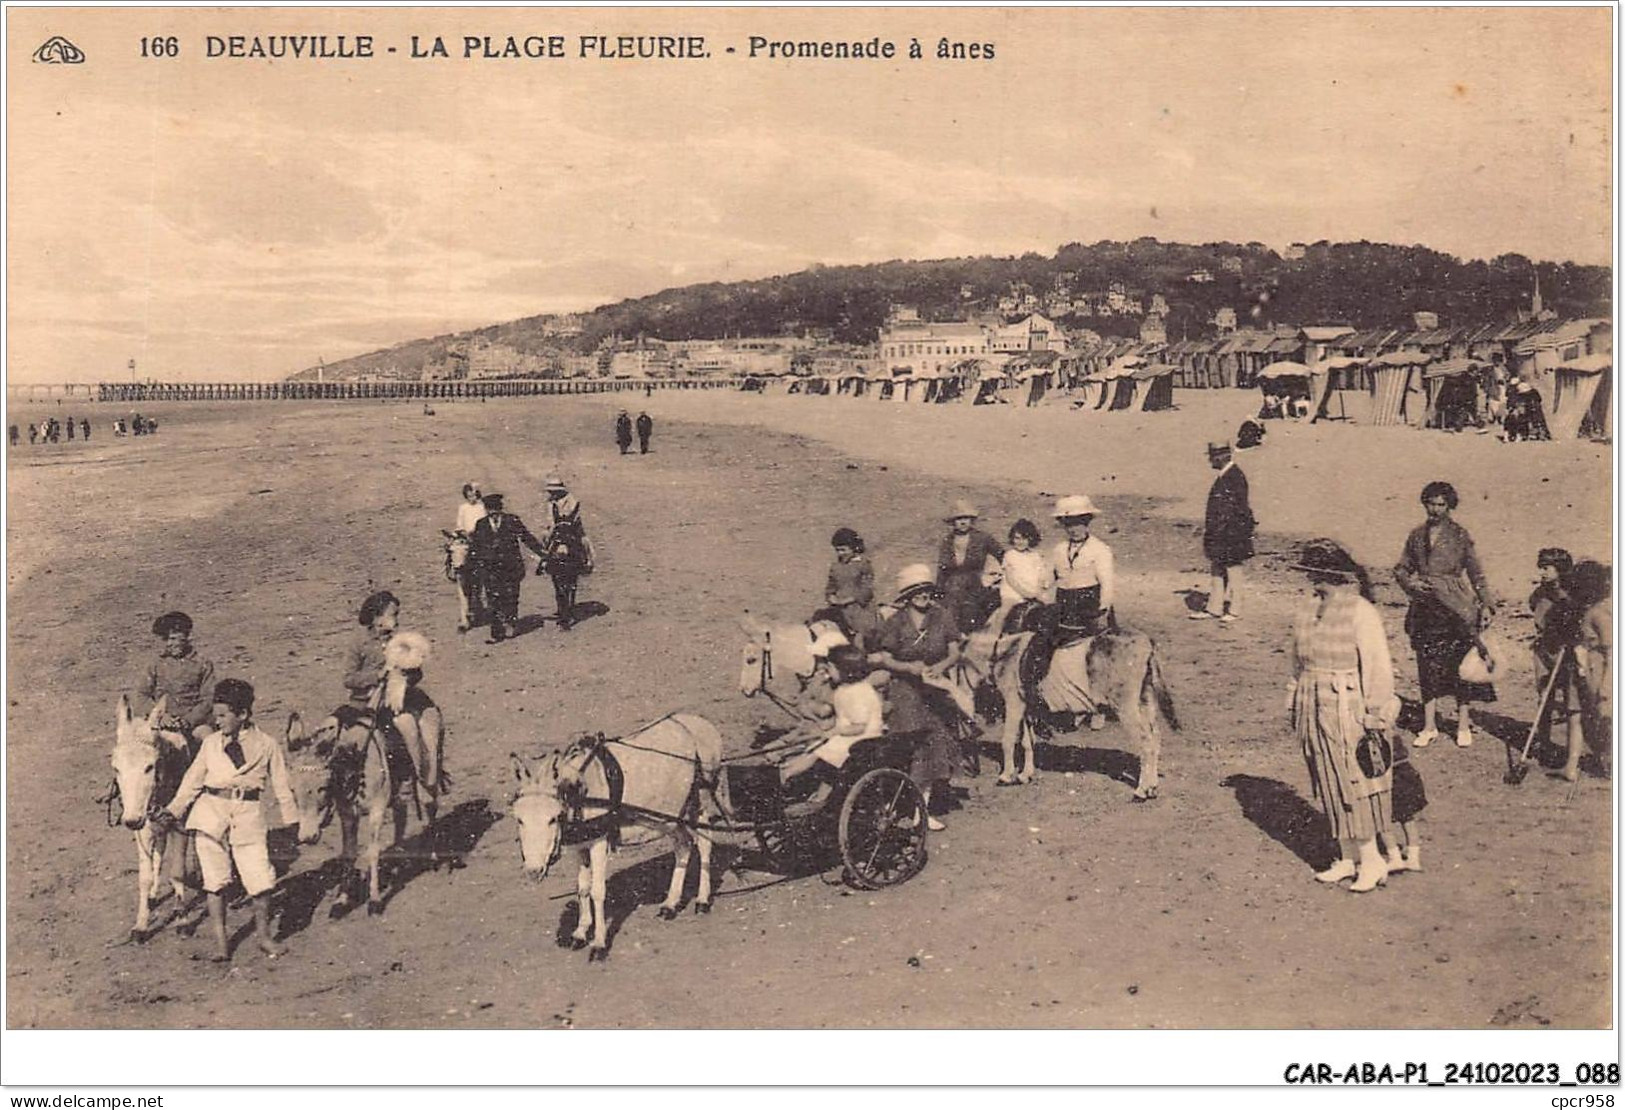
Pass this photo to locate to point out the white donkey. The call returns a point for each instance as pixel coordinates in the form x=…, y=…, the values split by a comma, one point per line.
x=661, y=777
x=147, y=769
x=460, y=573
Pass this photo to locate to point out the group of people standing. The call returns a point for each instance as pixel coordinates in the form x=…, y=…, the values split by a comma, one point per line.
x=624, y=425
x=497, y=540
x=1342, y=703
x=50, y=431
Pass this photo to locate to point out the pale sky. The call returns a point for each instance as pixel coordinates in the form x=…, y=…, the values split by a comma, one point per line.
x=228, y=219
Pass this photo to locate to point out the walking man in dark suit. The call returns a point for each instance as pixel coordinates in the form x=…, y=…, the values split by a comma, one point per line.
x=646, y=428
x=494, y=551
x=1227, y=535
x=623, y=432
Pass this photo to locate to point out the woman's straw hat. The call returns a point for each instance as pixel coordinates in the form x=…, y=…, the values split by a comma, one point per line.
x=914, y=578
x=1078, y=505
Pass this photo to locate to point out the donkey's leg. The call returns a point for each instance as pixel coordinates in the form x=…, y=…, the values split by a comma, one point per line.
x=583, y=900
x=1029, y=766
x=159, y=842
x=600, y=882
x=379, y=805
x=462, y=603
x=682, y=845
x=1015, y=717
x=1142, y=716
x=702, y=897
x=143, y=899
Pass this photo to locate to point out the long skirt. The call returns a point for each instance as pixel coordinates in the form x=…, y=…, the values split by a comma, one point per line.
x=928, y=716
x=1441, y=641
x=1327, y=709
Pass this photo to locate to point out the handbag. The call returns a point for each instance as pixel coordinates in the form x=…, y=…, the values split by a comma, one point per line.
x=1374, y=754
x=1478, y=665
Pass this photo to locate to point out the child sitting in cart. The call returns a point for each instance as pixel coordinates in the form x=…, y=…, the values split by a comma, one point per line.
x=859, y=714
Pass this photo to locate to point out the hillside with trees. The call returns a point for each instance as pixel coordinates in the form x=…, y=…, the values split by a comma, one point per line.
x=1362, y=284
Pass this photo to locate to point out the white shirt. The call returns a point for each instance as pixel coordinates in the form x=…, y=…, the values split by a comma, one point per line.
x=1079, y=566
x=1027, y=575
x=468, y=515
x=859, y=715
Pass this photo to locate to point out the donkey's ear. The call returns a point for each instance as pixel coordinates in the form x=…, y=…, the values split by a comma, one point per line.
x=157, y=713
x=121, y=712
x=749, y=625
x=521, y=769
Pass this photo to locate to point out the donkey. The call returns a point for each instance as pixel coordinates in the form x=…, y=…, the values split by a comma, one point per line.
x=662, y=777
x=147, y=769
x=1117, y=669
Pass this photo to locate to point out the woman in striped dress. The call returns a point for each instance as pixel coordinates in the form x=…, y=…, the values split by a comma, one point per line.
x=1342, y=704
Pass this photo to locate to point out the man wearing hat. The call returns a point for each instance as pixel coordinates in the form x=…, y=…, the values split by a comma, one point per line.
x=623, y=432
x=494, y=549
x=569, y=554
x=181, y=675
x=1227, y=535
x=962, y=562
x=646, y=428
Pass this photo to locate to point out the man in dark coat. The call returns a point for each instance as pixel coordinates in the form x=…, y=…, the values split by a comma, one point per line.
x=623, y=432
x=646, y=428
x=1227, y=535
x=966, y=554
x=500, y=564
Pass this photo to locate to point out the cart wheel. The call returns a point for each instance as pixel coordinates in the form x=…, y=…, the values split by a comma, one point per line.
x=882, y=830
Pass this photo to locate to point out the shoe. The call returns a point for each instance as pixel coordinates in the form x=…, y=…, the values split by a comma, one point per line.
x=1201, y=615
x=1413, y=858
x=1398, y=862
x=1464, y=737
x=1337, y=872
x=1229, y=618
x=934, y=825
x=1370, y=880
x=1425, y=737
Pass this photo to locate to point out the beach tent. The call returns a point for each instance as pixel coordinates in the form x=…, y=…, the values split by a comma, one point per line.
x=1398, y=394
x=988, y=385
x=1584, y=397
x=1455, y=395
x=1348, y=394
x=1154, y=386
x=1296, y=381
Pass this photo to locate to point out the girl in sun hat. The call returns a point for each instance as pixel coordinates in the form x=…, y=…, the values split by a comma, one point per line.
x=1342, y=705
x=921, y=641
x=965, y=556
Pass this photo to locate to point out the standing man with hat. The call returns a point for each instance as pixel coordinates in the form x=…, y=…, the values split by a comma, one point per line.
x=494, y=549
x=623, y=432
x=569, y=554
x=1227, y=535
x=962, y=563
x=646, y=428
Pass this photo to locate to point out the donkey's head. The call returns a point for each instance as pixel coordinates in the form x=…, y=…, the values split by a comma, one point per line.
x=539, y=808
x=135, y=759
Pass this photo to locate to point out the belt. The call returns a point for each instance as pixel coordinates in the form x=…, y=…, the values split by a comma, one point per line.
x=234, y=793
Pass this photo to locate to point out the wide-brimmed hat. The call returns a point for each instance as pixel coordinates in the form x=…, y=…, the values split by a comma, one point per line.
x=1077, y=505
x=962, y=508
x=554, y=482
x=914, y=578
x=1327, y=557
x=492, y=502
x=1218, y=447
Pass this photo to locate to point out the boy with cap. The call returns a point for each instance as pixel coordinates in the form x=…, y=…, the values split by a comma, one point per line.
x=235, y=765
x=181, y=674
x=1227, y=535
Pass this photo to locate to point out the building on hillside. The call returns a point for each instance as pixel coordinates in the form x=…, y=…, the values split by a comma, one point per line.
x=1425, y=321
x=1154, y=329
x=920, y=345
x=1034, y=333
x=1231, y=264
x=1199, y=277
x=1159, y=305
x=1225, y=319
x=1294, y=252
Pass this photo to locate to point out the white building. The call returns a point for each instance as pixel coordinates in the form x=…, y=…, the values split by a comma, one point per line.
x=934, y=346
x=1034, y=333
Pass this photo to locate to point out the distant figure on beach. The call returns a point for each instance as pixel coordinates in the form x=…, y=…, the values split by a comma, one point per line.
x=12, y=432
x=646, y=428
x=648, y=390
x=70, y=429
x=84, y=429
x=623, y=432
x=1250, y=434
x=33, y=435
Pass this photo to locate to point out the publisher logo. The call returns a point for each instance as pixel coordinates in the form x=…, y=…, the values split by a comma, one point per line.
x=57, y=51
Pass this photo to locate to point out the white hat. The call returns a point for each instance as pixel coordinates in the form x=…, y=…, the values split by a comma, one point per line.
x=962, y=508
x=827, y=636
x=913, y=578
x=1076, y=505
x=555, y=482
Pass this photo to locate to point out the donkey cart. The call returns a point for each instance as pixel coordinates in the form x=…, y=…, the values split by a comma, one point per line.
x=869, y=810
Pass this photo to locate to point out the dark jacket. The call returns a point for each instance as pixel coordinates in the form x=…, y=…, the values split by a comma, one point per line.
x=623, y=429
x=1227, y=533
x=495, y=551
x=646, y=425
